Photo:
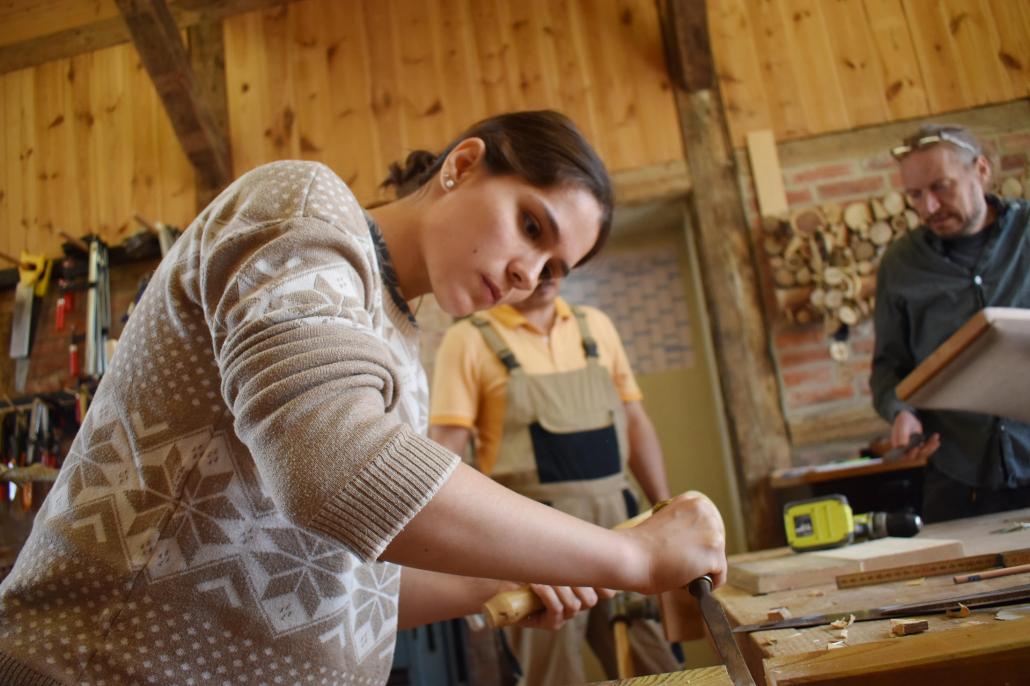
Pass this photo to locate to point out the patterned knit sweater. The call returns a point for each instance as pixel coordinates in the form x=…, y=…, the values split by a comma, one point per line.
x=246, y=459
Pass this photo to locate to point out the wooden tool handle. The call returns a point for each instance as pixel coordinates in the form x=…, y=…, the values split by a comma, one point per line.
x=511, y=607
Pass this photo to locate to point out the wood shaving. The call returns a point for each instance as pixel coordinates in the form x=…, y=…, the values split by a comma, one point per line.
x=959, y=612
x=916, y=582
x=816, y=593
x=778, y=613
x=1006, y=616
x=906, y=627
x=842, y=634
x=843, y=622
x=833, y=645
x=768, y=641
x=795, y=634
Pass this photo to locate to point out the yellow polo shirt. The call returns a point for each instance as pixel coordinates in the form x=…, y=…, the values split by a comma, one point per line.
x=470, y=384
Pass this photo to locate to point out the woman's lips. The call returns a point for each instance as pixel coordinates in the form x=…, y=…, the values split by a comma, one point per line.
x=493, y=291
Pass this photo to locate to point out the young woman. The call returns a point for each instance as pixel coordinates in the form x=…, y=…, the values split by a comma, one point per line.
x=251, y=498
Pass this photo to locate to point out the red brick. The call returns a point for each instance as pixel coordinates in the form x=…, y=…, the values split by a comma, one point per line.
x=1015, y=141
x=801, y=197
x=821, y=375
x=817, y=396
x=796, y=358
x=880, y=163
x=863, y=186
x=826, y=171
x=792, y=338
x=1013, y=161
x=862, y=346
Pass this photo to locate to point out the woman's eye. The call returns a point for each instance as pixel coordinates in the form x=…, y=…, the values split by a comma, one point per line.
x=531, y=227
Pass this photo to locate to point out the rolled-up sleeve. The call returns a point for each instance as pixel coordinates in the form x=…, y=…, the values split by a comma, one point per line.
x=312, y=384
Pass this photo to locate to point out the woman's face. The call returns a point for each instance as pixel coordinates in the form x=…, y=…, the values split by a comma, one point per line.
x=490, y=239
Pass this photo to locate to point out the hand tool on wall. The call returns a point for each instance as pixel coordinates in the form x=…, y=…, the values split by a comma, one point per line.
x=98, y=309
x=33, y=278
x=1007, y=596
x=719, y=628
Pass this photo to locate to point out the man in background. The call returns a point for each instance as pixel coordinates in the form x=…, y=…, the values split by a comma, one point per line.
x=971, y=251
x=547, y=393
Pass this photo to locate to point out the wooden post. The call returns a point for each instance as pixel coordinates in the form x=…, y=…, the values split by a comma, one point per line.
x=160, y=48
x=758, y=432
x=207, y=58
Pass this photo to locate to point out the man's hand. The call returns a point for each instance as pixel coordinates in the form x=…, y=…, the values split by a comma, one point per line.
x=906, y=424
x=682, y=541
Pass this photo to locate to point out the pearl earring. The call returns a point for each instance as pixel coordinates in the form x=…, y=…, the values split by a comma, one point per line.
x=448, y=183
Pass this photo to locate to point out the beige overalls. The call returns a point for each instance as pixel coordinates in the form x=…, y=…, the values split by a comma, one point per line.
x=564, y=443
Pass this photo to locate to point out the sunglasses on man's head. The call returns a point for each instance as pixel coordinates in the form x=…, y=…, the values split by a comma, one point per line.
x=932, y=139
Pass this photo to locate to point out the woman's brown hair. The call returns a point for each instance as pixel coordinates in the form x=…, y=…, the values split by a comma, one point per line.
x=543, y=147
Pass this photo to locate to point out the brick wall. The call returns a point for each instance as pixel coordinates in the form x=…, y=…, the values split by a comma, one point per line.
x=812, y=384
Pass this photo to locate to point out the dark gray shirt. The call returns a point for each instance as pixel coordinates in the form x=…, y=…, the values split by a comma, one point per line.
x=922, y=297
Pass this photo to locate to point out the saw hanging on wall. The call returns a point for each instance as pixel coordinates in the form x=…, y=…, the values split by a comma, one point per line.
x=33, y=279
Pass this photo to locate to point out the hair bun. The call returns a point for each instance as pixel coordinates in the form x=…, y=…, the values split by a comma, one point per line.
x=409, y=176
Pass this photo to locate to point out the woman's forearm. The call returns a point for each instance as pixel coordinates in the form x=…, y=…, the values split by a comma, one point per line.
x=433, y=596
x=475, y=527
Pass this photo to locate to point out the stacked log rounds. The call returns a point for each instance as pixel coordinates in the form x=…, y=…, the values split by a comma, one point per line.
x=822, y=258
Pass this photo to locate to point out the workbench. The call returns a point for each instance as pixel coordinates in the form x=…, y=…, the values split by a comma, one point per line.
x=974, y=650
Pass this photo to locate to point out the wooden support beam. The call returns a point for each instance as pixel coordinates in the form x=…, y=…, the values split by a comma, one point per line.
x=749, y=386
x=160, y=48
x=207, y=58
x=19, y=52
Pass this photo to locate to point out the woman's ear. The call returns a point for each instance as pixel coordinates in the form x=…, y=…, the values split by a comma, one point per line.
x=462, y=160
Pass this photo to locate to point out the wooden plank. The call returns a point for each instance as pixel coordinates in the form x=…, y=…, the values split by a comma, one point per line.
x=461, y=75
x=308, y=41
x=160, y=47
x=80, y=77
x=781, y=88
x=654, y=182
x=655, y=107
x=740, y=338
x=387, y=86
x=359, y=161
x=974, y=327
x=56, y=29
x=27, y=19
x=704, y=676
x=857, y=65
x=935, y=52
x=902, y=81
x=814, y=474
x=245, y=89
x=982, y=367
x=994, y=652
x=977, y=45
x=1013, y=44
x=744, y=98
x=421, y=98
x=50, y=124
x=577, y=94
x=822, y=98
x=146, y=171
x=766, y=173
x=783, y=569
x=492, y=49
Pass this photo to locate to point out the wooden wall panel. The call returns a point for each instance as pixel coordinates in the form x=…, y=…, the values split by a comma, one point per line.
x=832, y=65
x=361, y=84
x=86, y=145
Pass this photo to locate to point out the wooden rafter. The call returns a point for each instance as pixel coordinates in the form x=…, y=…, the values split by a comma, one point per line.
x=29, y=51
x=162, y=52
x=749, y=387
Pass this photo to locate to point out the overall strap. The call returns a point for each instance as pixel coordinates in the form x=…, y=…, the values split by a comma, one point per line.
x=493, y=340
x=589, y=344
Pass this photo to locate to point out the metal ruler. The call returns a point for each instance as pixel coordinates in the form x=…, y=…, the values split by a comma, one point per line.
x=971, y=563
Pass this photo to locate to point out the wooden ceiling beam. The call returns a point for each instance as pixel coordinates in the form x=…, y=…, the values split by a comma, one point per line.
x=160, y=47
x=107, y=32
